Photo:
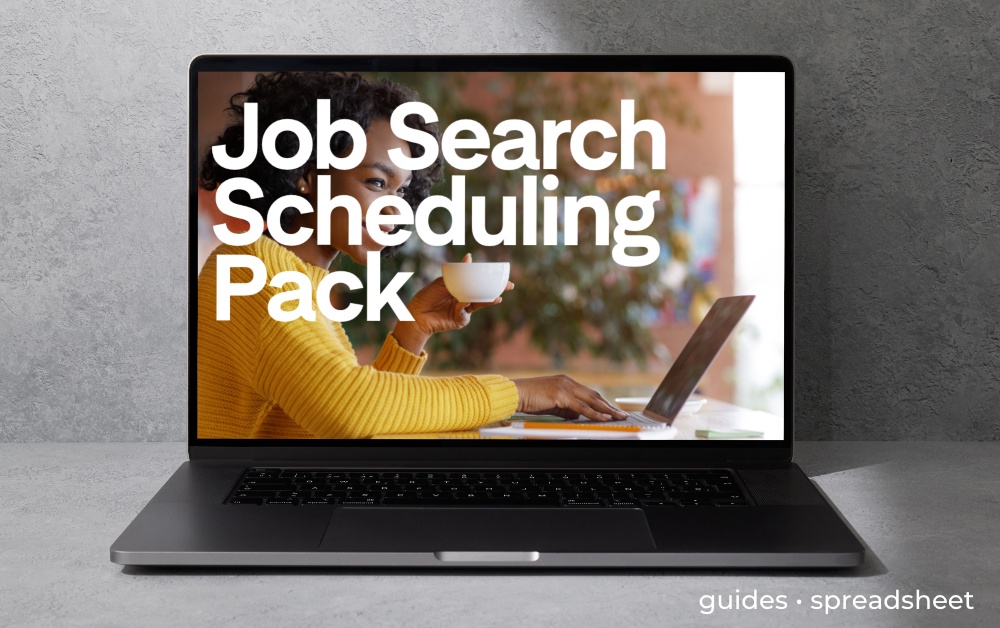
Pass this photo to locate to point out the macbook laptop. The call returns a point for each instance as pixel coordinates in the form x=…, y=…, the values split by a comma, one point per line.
x=613, y=186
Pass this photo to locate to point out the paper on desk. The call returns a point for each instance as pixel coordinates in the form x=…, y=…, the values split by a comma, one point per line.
x=716, y=434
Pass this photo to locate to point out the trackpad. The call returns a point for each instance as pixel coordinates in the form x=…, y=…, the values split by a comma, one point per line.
x=487, y=529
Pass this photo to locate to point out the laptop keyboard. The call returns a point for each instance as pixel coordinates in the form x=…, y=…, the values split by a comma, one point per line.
x=325, y=487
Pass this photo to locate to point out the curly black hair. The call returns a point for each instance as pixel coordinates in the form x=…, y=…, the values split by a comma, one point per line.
x=293, y=95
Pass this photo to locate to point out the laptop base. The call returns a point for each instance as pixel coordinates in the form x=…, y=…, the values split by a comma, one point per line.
x=790, y=525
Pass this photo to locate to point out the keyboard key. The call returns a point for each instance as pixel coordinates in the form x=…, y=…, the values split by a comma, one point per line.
x=426, y=501
x=697, y=490
x=245, y=500
x=262, y=475
x=583, y=502
x=656, y=502
x=310, y=485
x=523, y=501
x=621, y=483
x=520, y=485
x=252, y=494
x=639, y=478
x=543, y=497
x=656, y=495
x=265, y=484
x=624, y=503
x=361, y=495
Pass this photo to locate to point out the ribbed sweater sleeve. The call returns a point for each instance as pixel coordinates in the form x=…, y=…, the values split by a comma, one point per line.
x=395, y=359
x=301, y=367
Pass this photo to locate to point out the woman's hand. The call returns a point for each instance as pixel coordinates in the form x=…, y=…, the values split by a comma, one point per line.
x=434, y=310
x=562, y=396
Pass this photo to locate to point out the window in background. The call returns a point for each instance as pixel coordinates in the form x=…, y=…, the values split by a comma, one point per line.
x=759, y=216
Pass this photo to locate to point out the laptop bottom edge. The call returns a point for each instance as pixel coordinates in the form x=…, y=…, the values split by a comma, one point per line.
x=526, y=559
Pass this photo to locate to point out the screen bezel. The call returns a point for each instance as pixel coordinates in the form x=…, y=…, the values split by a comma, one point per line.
x=498, y=453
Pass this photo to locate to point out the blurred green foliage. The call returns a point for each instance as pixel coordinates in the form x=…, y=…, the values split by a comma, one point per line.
x=570, y=299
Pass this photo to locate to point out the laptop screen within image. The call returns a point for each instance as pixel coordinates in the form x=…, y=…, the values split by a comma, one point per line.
x=438, y=254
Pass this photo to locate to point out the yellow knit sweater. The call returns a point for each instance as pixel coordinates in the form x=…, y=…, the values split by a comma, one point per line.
x=259, y=378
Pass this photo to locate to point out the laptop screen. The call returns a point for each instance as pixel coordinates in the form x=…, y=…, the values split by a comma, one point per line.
x=494, y=249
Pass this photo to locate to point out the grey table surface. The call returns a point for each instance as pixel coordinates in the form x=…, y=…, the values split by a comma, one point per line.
x=927, y=511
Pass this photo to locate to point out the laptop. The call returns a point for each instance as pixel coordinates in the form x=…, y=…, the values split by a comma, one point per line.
x=691, y=364
x=318, y=438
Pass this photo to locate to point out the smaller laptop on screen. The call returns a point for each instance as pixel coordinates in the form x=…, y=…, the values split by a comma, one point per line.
x=306, y=501
x=692, y=363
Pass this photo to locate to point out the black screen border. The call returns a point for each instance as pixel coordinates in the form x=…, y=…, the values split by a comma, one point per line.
x=497, y=453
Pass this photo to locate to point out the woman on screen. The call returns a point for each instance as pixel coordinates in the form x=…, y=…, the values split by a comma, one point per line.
x=260, y=378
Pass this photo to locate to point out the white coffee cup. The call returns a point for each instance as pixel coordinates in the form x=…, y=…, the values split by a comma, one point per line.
x=476, y=282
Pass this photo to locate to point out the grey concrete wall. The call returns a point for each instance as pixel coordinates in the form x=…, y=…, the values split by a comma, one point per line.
x=897, y=228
